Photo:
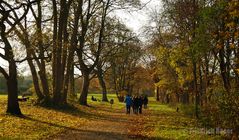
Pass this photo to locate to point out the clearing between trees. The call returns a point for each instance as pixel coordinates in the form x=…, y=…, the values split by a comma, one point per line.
x=100, y=121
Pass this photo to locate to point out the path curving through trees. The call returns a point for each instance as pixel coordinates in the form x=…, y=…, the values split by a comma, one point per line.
x=157, y=122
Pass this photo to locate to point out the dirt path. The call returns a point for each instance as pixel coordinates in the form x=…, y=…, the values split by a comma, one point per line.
x=109, y=124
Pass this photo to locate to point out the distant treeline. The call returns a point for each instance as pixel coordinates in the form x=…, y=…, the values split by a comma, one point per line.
x=24, y=84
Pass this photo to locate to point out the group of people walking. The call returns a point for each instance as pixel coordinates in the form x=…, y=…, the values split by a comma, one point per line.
x=136, y=103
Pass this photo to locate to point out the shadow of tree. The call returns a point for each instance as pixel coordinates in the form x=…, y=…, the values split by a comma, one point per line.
x=49, y=123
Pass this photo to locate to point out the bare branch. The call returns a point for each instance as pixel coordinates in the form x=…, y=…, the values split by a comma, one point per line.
x=32, y=58
x=23, y=16
x=4, y=72
x=3, y=56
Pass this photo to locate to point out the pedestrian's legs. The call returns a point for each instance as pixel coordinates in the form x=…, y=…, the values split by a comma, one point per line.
x=145, y=106
x=128, y=109
x=140, y=109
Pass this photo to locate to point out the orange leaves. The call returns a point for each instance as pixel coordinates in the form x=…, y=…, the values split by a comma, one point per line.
x=236, y=34
x=219, y=46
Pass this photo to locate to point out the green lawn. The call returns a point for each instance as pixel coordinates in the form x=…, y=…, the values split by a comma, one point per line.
x=169, y=124
x=116, y=105
x=3, y=96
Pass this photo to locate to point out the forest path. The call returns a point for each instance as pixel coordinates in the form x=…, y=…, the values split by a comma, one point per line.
x=159, y=121
x=106, y=123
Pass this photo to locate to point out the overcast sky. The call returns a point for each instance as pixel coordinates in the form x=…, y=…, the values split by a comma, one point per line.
x=137, y=19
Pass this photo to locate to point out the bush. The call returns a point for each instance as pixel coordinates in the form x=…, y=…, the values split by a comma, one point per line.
x=187, y=109
x=223, y=111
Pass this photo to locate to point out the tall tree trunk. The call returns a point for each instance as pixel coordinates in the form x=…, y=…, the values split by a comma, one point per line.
x=44, y=83
x=35, y=80
x=54, y=50
x=157, y=93
x=60, y=42
x=71, y=89
x=85, y=87
x=12, y=104
x=42, y=65
x=102, y=83
x=195, y=87
x=206, y=79
x=12, y=85
x=200, y=95
x=226, y=82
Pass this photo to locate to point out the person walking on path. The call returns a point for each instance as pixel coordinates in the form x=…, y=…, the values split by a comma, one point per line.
x=134, y=104
x=145, y=101
x=128, y=102
x=140, y=98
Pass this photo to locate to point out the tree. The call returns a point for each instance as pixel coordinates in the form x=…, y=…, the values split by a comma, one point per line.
x=112, y=43
x=36, y=46
x=92, y=36
x=201, y=50
x=6, y=9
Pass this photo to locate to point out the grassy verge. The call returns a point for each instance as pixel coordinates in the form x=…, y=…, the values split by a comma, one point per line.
x=116, y=105
x=38, y=122
x=171, y=125
x=42, y=122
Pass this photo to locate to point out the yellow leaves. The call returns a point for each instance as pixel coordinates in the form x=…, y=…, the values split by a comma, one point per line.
x=233, y=7
x=231, y=24
x=232, y=46
x=235, y=13
x=237, y=70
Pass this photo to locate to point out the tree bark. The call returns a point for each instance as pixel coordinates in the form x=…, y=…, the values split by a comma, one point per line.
x=60, y=43
x=157, y=93
x=195, y=87
x=71, y=89
x=12, y=85
x=42, y=65
x=85, y=87
x=226, y=82
x=35, y=80
x=12, y=103
x=200, y=95
x=102, y=83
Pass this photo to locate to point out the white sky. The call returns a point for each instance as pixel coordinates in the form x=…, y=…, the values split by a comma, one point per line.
x=137, y=19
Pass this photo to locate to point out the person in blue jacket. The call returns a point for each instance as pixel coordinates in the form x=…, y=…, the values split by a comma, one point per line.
x=128, y=102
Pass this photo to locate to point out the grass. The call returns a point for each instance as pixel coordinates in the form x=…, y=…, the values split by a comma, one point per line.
x=38, y=123
x=116, y=105
x=160, y=121
x=43, y=122
x=2, y=97
x=172, y=125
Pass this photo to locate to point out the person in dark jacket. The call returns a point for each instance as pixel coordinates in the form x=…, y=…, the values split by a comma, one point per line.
x=128, y=102
x=140, y=102
x=134, y=104
x=145, y=101
x=137, y=104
